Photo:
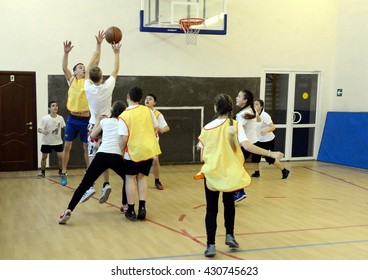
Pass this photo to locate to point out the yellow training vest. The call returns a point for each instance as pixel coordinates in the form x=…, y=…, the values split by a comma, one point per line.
x=77, y=99
x=223, y=168
x=156, y=113
x=142, y=143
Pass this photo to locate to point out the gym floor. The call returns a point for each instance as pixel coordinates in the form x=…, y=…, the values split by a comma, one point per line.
x=318, y=213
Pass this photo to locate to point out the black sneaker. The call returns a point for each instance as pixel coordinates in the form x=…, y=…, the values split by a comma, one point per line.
x=130, y=215
x=285, y=173
x=142, y=214
x=255, y=175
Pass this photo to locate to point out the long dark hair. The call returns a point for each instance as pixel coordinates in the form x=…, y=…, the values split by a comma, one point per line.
x=249, y=96
x=224, y=107
x=117, y=108
x=261, y=102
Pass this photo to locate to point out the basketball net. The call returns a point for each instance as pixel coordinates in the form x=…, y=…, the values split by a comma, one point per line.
x=191, y=34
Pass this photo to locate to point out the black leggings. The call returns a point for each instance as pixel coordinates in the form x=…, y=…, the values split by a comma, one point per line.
x=100, y=163
x=212, y=210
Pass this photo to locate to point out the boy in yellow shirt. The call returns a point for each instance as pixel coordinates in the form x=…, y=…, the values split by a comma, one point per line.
x=137, y=128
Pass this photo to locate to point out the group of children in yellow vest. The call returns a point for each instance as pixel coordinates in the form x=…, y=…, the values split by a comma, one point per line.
x=90, y=90
x=220, y=140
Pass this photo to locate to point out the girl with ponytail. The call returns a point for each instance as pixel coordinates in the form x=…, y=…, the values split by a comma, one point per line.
x=246, y=116
x=221, y=153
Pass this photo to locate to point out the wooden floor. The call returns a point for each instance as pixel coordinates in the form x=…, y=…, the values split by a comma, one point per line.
x=318, y=213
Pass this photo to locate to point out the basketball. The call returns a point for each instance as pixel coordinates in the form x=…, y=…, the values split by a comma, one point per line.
x=113, y=34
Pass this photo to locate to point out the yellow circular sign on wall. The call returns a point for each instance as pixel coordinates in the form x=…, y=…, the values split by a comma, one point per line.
x=305, y=95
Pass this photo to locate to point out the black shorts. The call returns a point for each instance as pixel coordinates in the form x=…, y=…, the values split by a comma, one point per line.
x=267, y=146
x=246, y=153
x=134, y=168
x=47, y=149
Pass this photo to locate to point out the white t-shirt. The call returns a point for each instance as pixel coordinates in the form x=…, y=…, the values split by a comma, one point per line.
x=262, y=125
x=217, y=122
x=110, y=136
x=249, y=125
x=161, y=123
x=161, y=120
x=99, y=97
x=53, y=126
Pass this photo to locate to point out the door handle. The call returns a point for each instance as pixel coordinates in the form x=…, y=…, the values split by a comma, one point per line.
x=295, y=119
x=29, y=123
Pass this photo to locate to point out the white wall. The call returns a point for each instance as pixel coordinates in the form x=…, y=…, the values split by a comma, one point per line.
x=351, y=60
x=326, y=36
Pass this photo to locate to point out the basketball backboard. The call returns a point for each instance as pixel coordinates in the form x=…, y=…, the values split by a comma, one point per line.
x=164, y=15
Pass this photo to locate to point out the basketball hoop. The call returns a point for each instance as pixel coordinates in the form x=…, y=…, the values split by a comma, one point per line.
x=191, y=34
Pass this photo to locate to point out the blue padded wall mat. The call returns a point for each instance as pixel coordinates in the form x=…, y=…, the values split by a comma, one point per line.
x=345, y=139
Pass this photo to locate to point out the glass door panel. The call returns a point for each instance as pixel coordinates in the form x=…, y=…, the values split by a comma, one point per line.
x=305, y=99
x=303, y=142
x=276, y=97
x=291, y=100
x=304, y=115
x=280, y=139
x=276, y=103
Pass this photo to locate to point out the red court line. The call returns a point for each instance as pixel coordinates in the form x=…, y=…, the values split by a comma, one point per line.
x=183, y=233
x=336, y=178
x=199, y=206
x=322, y=198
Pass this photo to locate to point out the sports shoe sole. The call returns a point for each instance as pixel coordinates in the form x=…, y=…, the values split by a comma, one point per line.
x=159, y=187
x=285, y=174
x=232, y=243
x=105, y=197
x=142, y=215
x=210, y=252
x=241, y=198
x=85, y=198
x=64, y=219
x=130, y=217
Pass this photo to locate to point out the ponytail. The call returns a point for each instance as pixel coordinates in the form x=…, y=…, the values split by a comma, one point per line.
x=232, y=131
x=224, y=107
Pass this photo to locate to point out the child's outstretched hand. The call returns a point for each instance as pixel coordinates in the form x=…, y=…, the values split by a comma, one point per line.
x=116, y=47
x=100, y=36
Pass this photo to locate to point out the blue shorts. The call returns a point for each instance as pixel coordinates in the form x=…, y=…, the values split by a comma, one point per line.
x=74, y=126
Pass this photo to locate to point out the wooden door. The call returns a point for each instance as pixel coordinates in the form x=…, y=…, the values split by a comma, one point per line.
x=18, y=121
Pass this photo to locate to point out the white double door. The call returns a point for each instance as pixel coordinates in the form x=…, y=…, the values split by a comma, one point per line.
x=291, y=98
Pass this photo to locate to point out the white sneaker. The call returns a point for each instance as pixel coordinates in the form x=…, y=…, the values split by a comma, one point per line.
x=91, y=191
x=105, y=192
x=64, y=217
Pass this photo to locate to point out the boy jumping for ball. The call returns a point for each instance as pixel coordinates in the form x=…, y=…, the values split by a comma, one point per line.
x=99, y=95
